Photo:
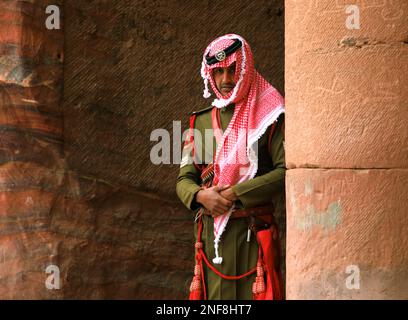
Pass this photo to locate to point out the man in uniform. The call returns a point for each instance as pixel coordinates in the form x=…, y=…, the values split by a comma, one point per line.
x=233, y=200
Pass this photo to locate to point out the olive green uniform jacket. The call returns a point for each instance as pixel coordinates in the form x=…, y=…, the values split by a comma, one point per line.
x=239, y=255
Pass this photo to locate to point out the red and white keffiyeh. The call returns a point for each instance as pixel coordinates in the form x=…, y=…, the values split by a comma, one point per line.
x=257, y=105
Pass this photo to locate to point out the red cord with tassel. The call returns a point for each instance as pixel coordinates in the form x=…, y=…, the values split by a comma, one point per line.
x=266, y=270
x=197, y=287
x=258, y=287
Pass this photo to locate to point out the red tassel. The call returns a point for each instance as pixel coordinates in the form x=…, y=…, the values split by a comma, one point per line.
x=196, y=292
x=258, y=287
x=273, y=278
x=195, y=287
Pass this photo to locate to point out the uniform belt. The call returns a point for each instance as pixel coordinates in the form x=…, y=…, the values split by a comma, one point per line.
x=253, y=212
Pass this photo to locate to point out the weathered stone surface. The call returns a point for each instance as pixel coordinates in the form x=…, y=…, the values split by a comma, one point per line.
x=339, y=218
x=320, y=26
x=346, y=89
x=31, y=164
x=108, y=242
x=346, y=111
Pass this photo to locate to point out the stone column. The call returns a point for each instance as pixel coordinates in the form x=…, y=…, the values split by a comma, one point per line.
x=347, y=150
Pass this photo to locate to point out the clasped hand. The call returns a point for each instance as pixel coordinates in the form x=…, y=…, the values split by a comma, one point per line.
x=217, y=200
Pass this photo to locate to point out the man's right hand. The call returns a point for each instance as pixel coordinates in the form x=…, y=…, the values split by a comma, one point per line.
x=211, y=199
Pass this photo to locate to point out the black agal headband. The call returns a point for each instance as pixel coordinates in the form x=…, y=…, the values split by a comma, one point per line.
x=222, y=54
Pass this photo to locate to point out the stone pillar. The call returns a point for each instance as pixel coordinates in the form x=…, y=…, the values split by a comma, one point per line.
x=346, y=150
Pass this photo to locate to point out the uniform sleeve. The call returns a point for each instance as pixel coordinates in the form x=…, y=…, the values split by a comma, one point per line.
x=259, y=190
x=188, y=179
x=187, y=186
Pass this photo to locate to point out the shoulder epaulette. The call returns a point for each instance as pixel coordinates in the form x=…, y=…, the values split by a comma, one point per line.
x=201, y=111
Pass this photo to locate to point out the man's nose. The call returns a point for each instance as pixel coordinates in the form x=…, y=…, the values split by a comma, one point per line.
x=226, y=77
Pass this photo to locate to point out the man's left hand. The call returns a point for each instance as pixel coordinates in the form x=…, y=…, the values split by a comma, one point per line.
x=229, y=194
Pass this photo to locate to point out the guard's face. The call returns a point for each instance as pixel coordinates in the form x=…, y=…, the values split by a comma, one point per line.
x=224, y=79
